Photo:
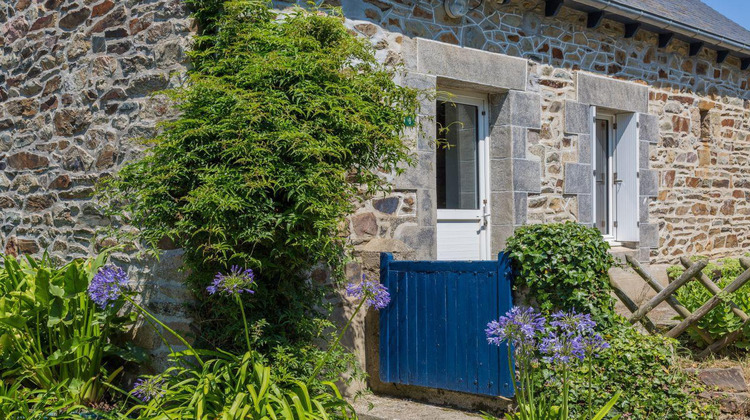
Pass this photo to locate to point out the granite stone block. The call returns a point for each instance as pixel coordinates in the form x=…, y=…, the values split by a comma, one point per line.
x=578, y=118
x=611, y=93
x=649, y=234
x=527, y=175
x=649, y=130
x=578, y=178
x=649, y=183
x=471, y=65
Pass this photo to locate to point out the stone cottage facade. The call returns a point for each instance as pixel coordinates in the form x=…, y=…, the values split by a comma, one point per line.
x=607, y=116
x=629, y=115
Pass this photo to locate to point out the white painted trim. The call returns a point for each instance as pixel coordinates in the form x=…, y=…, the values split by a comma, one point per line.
x=611, y=159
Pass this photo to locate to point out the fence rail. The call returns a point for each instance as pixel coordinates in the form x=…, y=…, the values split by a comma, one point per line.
x=693, y=272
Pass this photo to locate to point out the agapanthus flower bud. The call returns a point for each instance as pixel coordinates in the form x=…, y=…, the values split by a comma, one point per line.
x=239, y=280
x=146, y=389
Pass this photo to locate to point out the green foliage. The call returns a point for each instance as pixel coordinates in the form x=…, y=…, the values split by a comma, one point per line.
x=720, y=320
x=644, y=369
x=285, y=122
x=52, y=336
x=18, y=402
x=229, y=387
x=564, y=266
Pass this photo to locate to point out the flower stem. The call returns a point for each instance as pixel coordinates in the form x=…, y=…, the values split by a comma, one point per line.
x=244, y=321
x=566, y=389
x=335, y=343
x=171, y=331
x=588, y=417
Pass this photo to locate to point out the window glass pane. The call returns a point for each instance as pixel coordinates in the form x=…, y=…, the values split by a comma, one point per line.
x=601, y=165
x=457, y=156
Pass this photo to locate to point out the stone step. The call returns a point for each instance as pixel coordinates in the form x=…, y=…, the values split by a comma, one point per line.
x=620, y=252
x=728, y=388
x=373, y=407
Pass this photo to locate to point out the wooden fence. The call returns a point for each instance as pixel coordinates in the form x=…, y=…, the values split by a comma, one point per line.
x=693, y=272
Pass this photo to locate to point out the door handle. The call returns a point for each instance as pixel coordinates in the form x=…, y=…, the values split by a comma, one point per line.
x=617, y=181
x=485, y=215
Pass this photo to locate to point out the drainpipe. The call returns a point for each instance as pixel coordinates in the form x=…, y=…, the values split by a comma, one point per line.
x=669, y=25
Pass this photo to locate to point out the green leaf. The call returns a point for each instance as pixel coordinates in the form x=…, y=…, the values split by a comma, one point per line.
x=14, y=321
x=58, y=310
x=41, y=287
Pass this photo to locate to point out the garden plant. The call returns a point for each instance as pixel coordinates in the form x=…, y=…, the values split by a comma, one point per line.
x=566, y=341
x=286, y=121
x=720, y=321
x=563, y=267
x=53, y=337
x=201, y=384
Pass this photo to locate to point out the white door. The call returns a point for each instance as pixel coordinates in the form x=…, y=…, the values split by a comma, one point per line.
x=462, y=179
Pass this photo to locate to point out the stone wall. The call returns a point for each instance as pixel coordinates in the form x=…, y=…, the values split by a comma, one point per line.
x=76, y=78
x=694, y=200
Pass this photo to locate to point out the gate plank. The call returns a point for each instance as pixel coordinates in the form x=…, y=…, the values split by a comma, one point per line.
x=432, y=334
x=402, y=323
x=387, y=350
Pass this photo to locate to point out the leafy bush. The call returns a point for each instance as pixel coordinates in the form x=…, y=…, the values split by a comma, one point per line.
x=563, y=267
x=720, y=320
x=284, y=122
x=228, y=386
x=643, y=368
x=52, y=336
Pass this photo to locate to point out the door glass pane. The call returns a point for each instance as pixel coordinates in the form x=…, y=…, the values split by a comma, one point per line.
x=601, y=175
x=457, y=156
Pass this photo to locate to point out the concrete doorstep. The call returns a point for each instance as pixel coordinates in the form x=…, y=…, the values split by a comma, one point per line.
x=384, y=408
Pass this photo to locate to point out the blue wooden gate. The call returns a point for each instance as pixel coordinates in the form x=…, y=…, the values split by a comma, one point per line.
x=432, y=333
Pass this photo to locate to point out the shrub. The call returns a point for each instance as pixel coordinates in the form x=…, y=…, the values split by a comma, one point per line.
x=720, y=320
x=563, y=267
x=644, y=369
x=285, y=121
x=52, y=337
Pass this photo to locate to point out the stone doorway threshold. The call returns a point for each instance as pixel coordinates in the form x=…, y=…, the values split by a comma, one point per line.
x=386, y=408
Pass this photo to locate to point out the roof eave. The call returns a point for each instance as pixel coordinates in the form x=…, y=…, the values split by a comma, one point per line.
x=669, y=25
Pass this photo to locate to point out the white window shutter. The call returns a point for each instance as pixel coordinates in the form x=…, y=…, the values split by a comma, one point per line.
x=626, y=186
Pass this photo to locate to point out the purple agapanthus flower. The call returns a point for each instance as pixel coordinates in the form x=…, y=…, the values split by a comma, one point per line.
x=594, y=344
x=573, y=323
x=146, y=389
x=519, y=326
x=374, y=293
x=107, y=285
x=239, y=280
x=562, y=349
